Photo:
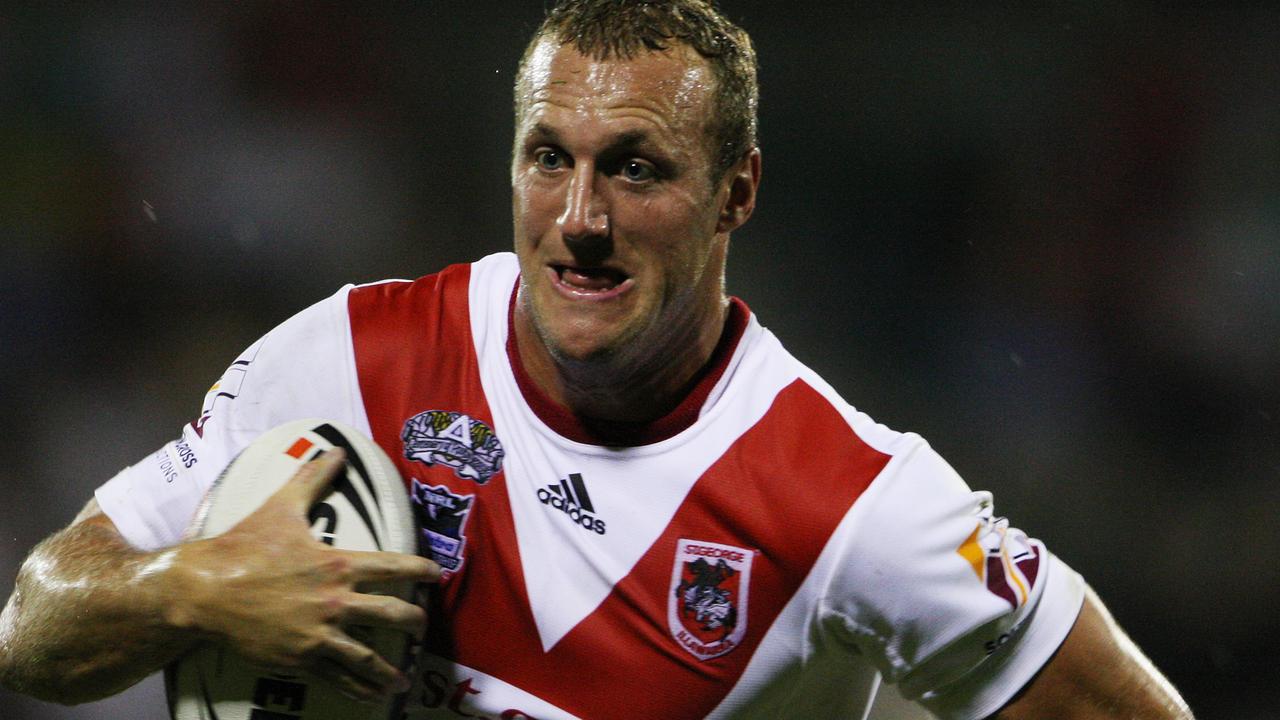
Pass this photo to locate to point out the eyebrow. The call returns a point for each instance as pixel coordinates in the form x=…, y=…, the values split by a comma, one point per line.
x=542, y=130
x=630, y=140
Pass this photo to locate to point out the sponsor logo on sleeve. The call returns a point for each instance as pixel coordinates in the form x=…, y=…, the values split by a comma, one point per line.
x=168, y=470
x=173, y=458
x=1004, y=559
x=186, y=456
x=442, y=517
x=227, y=388
x=707, y=602
x=454, y=440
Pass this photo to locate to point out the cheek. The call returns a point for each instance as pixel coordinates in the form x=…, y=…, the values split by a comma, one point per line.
x=679, y=229
x=533, y=207
x=523, y=217
x=519, y=198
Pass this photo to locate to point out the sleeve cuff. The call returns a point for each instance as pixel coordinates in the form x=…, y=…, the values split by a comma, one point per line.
x=114, y=499
x=984, y=691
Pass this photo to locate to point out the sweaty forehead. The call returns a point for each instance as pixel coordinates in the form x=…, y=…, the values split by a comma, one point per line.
x=672, y=87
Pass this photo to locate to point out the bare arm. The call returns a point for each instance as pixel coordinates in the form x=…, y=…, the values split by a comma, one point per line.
x=90, y=615
x=1097, y=673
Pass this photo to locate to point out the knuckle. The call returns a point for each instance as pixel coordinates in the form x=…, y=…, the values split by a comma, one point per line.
x=413, y=615
x=313, y=645
x=333, y=608
x=366, y=656
x=339, y=567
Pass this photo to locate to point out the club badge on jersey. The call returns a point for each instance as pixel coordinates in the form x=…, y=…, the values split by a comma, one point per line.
x=707, y=602
x=454, y=440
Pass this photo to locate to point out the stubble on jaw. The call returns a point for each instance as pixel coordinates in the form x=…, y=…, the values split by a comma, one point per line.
x=634, y=378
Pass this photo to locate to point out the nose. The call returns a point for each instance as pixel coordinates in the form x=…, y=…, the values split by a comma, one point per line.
x=586, y=215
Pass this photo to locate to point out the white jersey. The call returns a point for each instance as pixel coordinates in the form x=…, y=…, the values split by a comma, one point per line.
x=764, y=551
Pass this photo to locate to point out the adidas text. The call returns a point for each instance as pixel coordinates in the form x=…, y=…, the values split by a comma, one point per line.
x=574, y=502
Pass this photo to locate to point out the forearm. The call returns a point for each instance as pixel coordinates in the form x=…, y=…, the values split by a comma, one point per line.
x=1098, y=673
x=89, y=616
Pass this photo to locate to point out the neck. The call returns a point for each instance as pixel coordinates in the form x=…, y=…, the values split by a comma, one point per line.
x=638, y=384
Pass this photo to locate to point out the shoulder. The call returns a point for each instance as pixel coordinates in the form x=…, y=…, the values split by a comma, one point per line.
x=438, y=313
x=448, y=290
x=921, y=574
x=817, y=412
x=788, y=423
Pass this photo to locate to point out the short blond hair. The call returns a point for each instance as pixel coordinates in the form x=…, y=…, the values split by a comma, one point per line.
x=604, y=29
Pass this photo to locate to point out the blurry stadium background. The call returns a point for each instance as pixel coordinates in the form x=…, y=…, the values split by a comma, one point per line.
x=1046, y=239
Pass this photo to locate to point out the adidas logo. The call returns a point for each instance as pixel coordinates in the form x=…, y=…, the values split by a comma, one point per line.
x=570, y=497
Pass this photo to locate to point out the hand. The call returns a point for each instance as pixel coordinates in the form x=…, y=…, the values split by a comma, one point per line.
x=280, y=598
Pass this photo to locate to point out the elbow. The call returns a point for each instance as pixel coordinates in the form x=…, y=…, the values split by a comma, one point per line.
x=32, y=671
x=25, y=679
x=9, y=678
x=16, y=673
x=28, y=669
x=6, y=669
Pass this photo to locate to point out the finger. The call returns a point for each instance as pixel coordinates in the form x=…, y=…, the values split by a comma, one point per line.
x=313, y=479
x=347, y=684
x=362, y=662
x=374, y=566
x=384, y=611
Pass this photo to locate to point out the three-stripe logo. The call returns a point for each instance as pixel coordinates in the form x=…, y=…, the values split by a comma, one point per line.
x=571, y=498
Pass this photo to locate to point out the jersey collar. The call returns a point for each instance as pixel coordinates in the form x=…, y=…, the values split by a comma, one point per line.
x=593, y=431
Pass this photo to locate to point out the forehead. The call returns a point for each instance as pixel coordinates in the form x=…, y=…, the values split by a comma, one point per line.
x=671, y=89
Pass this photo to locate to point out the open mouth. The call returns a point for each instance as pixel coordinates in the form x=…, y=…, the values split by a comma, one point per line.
x=596, y=281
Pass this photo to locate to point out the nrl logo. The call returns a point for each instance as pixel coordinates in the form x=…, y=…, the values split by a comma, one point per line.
x=442, y=516
x=455, y=441
x=707, y=603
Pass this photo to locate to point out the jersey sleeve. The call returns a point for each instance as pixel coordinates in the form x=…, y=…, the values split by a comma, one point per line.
x=946, y=598
x=302, y=368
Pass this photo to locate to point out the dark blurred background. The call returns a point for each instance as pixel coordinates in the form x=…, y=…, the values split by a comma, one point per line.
x=1046, y=239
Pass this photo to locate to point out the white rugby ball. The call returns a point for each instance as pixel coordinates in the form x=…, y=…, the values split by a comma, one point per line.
x=367, y=509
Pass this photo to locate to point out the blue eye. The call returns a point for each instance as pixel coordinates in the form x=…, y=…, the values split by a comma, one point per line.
x=549, y=159
x=638, y=171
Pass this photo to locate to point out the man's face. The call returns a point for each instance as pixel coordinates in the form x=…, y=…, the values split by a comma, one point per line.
x=616, y=218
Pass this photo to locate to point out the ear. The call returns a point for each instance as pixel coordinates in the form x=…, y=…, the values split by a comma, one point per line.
x=743, y=180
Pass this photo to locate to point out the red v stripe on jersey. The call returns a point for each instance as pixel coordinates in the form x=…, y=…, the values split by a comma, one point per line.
x=414, y=352
x=781, y=489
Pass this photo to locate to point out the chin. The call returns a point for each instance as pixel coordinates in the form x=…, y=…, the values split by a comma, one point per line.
x=588, y=336
x=582, y=351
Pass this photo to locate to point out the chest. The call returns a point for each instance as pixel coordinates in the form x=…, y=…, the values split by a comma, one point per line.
x=593, y=583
